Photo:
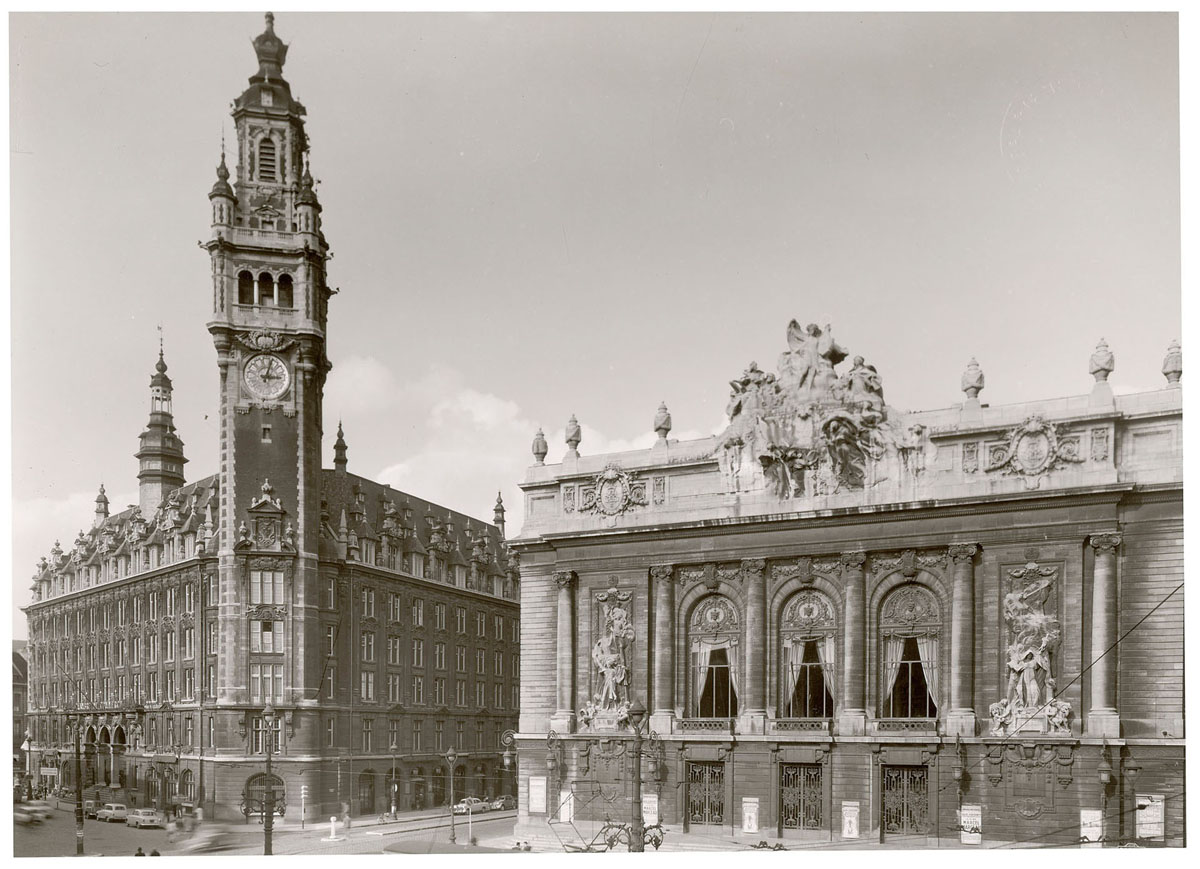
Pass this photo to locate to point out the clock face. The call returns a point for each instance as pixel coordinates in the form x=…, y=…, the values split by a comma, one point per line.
x=266, y=376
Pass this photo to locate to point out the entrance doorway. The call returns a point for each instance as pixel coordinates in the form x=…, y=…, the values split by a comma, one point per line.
x=706, y=793
x=905, y=802
x=366, y=791
x=801, y=797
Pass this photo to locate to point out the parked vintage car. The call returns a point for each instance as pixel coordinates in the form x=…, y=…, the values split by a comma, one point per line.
x=146, y=818
x=470, y=806
x=90, y=808
x=505, y=802
x=112, y=812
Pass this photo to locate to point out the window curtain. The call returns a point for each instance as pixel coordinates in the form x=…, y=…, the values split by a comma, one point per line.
x=703, y=652
x=927, y=647
x=825, y=654
x=795, y=658
x=731, y=652
x=893, y=651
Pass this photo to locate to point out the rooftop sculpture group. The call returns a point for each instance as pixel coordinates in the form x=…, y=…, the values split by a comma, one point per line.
x=807, y=430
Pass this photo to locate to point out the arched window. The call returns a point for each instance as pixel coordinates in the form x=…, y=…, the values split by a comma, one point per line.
x=909, y=625
x=266, y=160
x=187, y=786
x=808, y=640
x=245, y=288
x=256, y=792
x=266, y=289
x=285, y=291
x=714, y=634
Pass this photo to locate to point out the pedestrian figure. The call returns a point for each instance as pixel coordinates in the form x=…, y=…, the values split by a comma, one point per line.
x=155, y=853
x=139, y=852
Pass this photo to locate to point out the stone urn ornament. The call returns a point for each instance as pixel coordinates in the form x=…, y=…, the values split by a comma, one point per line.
x=1101, y=364
x=662, y=421
x=574, y=436
x=972, y=380
x=540, y=447
x=1172, y=367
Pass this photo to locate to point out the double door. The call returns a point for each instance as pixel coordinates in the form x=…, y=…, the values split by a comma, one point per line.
x=905, y=801
x=706, y=793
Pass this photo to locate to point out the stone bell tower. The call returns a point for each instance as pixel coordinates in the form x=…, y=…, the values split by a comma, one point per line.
x=269, y=303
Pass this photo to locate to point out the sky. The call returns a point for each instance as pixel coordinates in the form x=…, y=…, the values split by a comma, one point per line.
x=539, y=215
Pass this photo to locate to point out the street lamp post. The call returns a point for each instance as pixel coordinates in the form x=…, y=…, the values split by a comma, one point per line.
x=637, y=715
x=76, y=722
x=269, y=791
x=508, y=740
x=392, y=748
x=451, y=757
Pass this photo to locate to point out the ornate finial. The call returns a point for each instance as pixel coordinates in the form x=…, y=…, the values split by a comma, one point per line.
x=221, y=186
x=540, y=448
x=498, y=511
x=270, y=17
x=972, y=380
x=662, y=421
x=1101, y=364
x=1172, y=367
x=271, y=53
x=267, y=489
x=574, y=436
x=339, y=450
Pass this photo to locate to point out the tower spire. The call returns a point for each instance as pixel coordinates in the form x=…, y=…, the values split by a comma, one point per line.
x=160, y=450
x=339, y=450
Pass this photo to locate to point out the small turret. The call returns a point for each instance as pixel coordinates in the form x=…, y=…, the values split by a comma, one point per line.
x=223, y=199
x=101, y=508
x=339, y=450
x=498, y=515
x=308, y=209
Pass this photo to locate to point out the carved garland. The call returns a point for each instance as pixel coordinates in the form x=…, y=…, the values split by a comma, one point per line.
x=1033, y=448
x=612, y=492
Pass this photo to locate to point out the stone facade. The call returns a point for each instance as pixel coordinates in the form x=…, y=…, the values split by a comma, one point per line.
x=851, y=621
x=381, y=628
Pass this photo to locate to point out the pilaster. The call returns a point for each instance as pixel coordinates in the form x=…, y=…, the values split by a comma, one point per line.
x=563, y=719
x=960, y=720
x=852, y=718
x=1102, y=718
x=662, y=707
x=753, y=717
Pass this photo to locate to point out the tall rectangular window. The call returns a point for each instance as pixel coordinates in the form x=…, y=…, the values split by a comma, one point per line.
x=367, y=726
x=394, y=647
x=170, y=598
x=330, y=679
x=368, y=603
x=498, y=627
x=460, y=619
x=418, y=653
x=480, y=661
x=481, y=694
x=438, y=736
x=266, y=587
x=395, y=688
x=169, y=645
x=418, y=689
x=331, y=594
x=418, y=612
x=331, y=733
x=395, y=605
x=212, y=639
x=152, y=649
x=189, y=598
x=189, y=643
x=266, y=683
x=811, y=683
x=417, y=728
x=439, y=656
x=367, y=646
x=266, y=637
x=367, y=685
x=460, y=659
x=460, y=692
x=459, y=742
x=439, y=692
x=330, y=634
x=481, y=624
x=439, y=616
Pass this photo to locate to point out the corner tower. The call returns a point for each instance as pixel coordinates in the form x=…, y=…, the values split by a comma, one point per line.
x=160, y=451
x=269, y=303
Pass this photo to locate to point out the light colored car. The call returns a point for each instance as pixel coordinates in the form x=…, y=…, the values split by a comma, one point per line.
x=38, y=808
x=146, y=818
x=21, y=815
x=208, y=838
x=504, y=802
x=112, y=812
x=470, y=806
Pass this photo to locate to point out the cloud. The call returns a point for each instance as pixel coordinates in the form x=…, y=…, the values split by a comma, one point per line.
x=362, y=384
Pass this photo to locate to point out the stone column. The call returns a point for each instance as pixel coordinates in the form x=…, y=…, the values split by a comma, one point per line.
x=853, y=718
x=662, y=706
x=753, y=706
x=960, y=720
x=1102, y=719
x=563, y=719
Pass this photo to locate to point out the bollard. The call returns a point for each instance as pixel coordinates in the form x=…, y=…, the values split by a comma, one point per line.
x=332, y=826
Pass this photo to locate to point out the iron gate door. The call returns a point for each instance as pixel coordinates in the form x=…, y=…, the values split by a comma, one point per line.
x=801, y=796
x=706, y=792
x=905, y=800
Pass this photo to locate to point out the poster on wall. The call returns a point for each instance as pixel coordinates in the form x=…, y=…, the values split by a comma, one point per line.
x=537, y=794
x=650, y=809
x=971, y=825
x=1091, y=828
x=566, y=806
x=849, y=819
x=1150, y=816
x=749, y=814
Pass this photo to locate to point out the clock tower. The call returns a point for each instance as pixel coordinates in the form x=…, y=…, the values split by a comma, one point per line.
x=269, y=302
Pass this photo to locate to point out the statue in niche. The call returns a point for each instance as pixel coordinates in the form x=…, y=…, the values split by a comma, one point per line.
x=611, y=657
x=1029, y=703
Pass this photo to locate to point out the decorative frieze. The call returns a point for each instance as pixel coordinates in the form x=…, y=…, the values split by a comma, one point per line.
x=1033, y=449
x=612, y=492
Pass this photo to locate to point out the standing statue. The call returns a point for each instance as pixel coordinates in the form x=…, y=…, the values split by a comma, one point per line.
x=611, y=657
x=806, y=369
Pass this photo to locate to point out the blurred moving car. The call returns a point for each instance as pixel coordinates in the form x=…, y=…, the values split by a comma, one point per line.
x=38, y=808
x=470, y=805
x=505, y=802
x=112, y=812
x=146, y=818
x=208, y=838
x=22, y=816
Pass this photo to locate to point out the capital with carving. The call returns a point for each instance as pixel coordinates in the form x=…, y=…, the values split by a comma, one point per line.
x=753, y=566
x=962, y=552
x=854, y=560
x=1107, y=542
x=661, y=572
x=565, y=578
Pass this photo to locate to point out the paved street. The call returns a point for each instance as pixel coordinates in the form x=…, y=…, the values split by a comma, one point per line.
x=56, y=837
